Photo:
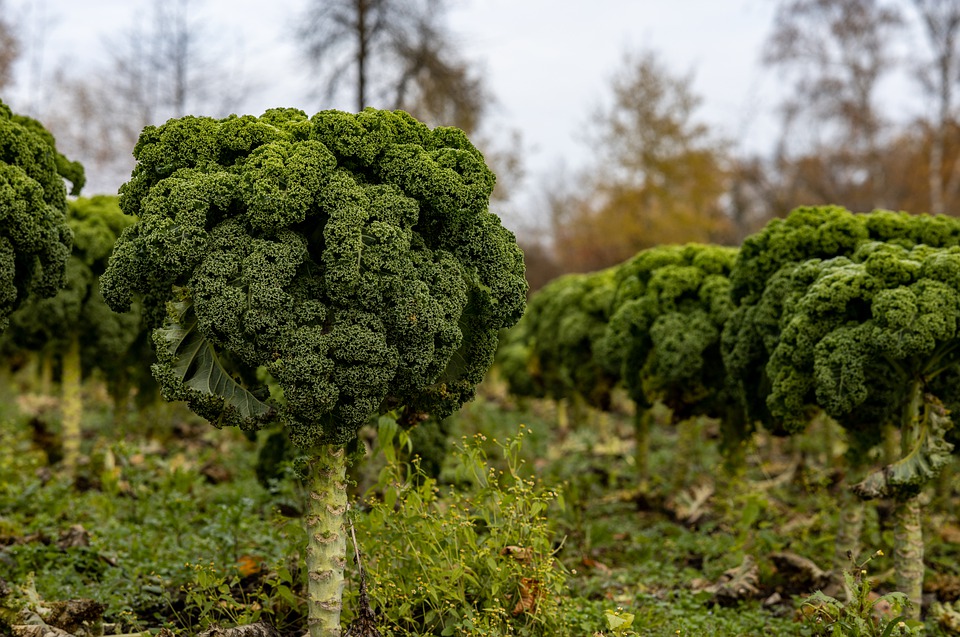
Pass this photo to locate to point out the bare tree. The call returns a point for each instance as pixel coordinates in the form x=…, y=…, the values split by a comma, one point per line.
x=658, y=174
x=399, y=54
x=434, y=84
x=836, y=52
x=9, y=47
x=162, y=69
x=345, y=34
x=645, y=137
x=941, y=23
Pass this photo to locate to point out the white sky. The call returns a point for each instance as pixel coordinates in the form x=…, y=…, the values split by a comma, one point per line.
x=547, y=62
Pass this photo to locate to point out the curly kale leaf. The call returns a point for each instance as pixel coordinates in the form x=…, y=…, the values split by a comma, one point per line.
x=550, y=352
x=35, y=240
x=353, y=257
x=78, y=310
x=771, y=274
x=864, y=331
x=663, y=337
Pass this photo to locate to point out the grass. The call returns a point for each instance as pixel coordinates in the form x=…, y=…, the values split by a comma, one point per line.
x=177, y=532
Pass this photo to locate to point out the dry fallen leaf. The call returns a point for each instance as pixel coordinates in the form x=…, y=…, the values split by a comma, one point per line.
x=736, y=584
x=595, y=564
x=519, y=553
x=950, y=533
x=530, y=594
x=249, y=565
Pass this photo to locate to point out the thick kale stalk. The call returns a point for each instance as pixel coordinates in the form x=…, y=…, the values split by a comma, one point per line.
x=924, y=453
x=316, y=271
x=72, y=405
x=866, y=340
x=925, y=450
x=773, y=273
x=663, y=338
x=75, y=325
x=326, y=537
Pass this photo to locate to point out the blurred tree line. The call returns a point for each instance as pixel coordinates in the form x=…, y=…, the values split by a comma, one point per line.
x=661, y=176
x=655, y=174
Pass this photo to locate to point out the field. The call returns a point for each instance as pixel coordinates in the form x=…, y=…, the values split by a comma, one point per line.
x=509, y=525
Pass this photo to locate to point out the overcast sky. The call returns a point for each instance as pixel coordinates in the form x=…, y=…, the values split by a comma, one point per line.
x=547, y=62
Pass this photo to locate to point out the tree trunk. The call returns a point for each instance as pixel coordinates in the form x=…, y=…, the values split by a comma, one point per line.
x=363, y=36
x=908, y=553
x=326, y=540
x=72, y=405
x=641, y=453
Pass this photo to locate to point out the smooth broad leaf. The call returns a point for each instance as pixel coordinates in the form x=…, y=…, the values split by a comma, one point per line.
x=193, y=362
x=921, y=465
x=618, y=621
x=287, y=595
x=387, y=430
x=894, y=624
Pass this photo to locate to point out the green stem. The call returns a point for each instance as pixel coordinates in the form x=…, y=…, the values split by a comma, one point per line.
x=563, y=417
x=734, y=439
x=897, y=367
x=846, y=549
x=601, y=420
x=120, y=393
x=641, y=453
x=72, y=406
x=578, y=411
x=326, y=540
x=687, y=430
x=910, y=425
x=891, y=444
x=933, y=368
x=46, y=372
x=828, y=438
x=908, y=553
x=6, y=377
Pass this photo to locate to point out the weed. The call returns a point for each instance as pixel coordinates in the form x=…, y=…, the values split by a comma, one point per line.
x=861, y=615
x=215, y=596
x=477, y=561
